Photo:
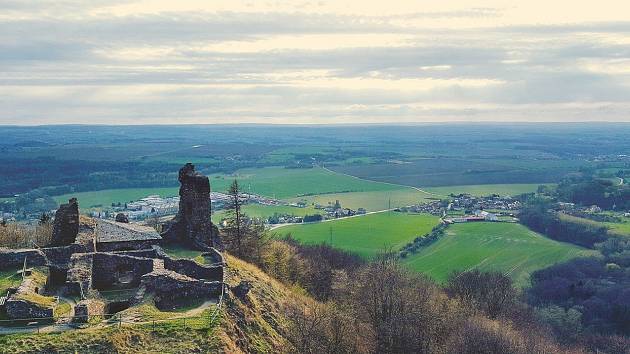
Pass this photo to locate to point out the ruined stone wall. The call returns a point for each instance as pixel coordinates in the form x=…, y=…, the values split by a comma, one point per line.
x=193, y=269
x=107, y=267
x=192, y=225
x=17, y=307
x=60, y=256
x=66, y=224
x=126, y=245
x=10, y=259
x=86, y=308
x=171, y=288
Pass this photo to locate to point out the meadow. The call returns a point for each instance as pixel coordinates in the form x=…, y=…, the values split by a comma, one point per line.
x=435, y=172
x=282, y=183
x=371, y=201
x=486, y=189
x=509, y=248
x=617, y=228
x=265, y=211
x=364, y=235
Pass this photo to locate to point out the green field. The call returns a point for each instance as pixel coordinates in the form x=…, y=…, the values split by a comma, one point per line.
x=282, y=183
x=618, y=228
x=365, y=235
x=9, y=279
x=276, y=182
x=371, y=201
x=506, y=247
x=265, y=211
x=108, y=196
x=485, y=189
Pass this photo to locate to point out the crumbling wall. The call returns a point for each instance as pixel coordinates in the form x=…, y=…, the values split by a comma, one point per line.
x=172, y=288
x=192, y=225
x=126, y=245
x=10, y=258
x=108, y=268
x=66, y=225
x=87, y=309
x=18, y=306
x=193, y=269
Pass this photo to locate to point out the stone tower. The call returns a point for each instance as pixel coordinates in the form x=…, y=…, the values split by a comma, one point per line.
x=66, y=225
x=192, y=224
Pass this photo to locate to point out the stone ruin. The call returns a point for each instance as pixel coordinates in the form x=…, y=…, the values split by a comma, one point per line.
x=66, y=224
x=192, y=224
x=88, y=258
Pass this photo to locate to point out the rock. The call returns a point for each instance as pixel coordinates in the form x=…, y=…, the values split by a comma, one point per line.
x=242, y=289
x=66, y=225
x=120, y=217
x=192, y=223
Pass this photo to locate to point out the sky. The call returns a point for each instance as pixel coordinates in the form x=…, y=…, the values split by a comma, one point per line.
x=322, y=62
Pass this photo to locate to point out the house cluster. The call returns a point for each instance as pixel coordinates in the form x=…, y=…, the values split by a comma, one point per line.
x=157, y=206
x=335, y=210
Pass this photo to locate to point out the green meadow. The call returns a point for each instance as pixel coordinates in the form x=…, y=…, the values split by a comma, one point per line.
x=486, y=189
x=283, y=183
x=364, y=235
x=265, y=211
x=509, y=248
x=371, y=201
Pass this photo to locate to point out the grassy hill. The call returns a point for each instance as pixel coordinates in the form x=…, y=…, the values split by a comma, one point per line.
x=249, y=324
x=365, y=235
x=506, y=247
x=373, y=200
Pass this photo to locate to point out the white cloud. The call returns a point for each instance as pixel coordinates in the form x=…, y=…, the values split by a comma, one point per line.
x=312, y=61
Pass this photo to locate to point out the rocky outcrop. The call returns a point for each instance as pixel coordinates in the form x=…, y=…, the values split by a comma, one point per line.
x=120, y=217
x=66, y=225
x=192, y=225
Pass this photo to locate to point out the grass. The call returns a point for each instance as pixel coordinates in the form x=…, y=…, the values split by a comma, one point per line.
x=9, y=279
x=365, y=235
x=275, y=182
x=486, y=189
x=506, y=247
x=183, y=252
x=265, y=211
x=63, y=309
x=282, y=183
x=617, y=228
x=40, y=300
x=373, y=200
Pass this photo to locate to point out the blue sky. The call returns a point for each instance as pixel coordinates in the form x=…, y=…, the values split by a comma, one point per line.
x=174, y=62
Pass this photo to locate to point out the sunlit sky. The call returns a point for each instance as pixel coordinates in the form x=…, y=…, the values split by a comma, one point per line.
x=258, y=61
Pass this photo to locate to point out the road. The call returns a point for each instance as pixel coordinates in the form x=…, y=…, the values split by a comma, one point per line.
x=391, y=184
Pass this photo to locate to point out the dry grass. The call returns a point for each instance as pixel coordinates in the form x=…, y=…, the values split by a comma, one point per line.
x=23, y=236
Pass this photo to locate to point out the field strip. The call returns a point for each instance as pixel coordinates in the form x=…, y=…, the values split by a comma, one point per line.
x=389, y=183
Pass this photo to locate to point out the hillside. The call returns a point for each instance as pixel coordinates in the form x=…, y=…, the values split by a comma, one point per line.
x=248, y=322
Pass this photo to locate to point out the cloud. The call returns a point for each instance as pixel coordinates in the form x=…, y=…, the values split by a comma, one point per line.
x=129, y=62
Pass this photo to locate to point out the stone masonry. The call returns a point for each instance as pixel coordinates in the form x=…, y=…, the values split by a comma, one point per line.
x=66, y=225
x=192, y=225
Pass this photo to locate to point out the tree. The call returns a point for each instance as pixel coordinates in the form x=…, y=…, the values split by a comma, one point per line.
x=44, y=219
x=491, y=292
x=235, y=220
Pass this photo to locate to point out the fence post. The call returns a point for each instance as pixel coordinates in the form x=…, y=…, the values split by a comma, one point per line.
x=184, y=322
x=153, y=325
x=119, y=320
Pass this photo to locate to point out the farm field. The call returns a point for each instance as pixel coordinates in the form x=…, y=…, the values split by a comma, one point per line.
x=283, y=183
x=265, y=211
x=272, y=182
x=486, y=189
x=371, y=201
x=506, y=247
x=435, y=172
x=619, y=228
x=365, y=235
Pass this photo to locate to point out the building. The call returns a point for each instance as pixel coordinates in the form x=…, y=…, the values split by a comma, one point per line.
x=118, y=236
